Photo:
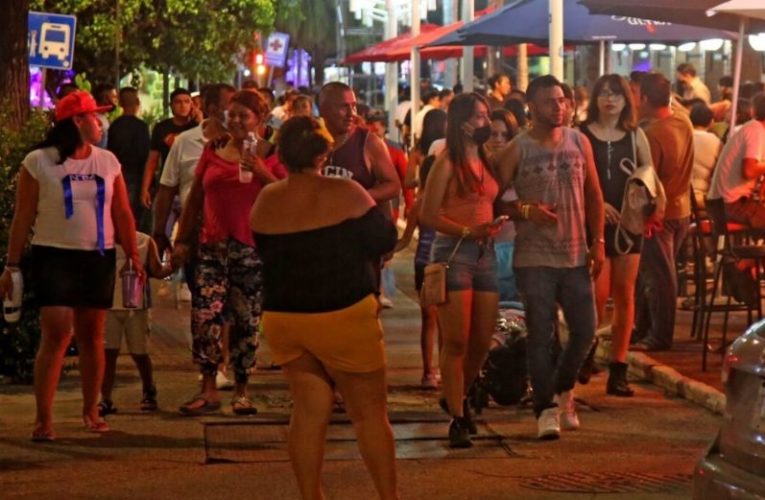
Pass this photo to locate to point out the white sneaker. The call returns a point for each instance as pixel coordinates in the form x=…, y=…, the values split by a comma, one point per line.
x=569, y=418
x=386, y=302
x=222, y=382
x=548, y=424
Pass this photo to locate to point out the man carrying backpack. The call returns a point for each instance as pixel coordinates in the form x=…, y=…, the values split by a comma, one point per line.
x=671, y=139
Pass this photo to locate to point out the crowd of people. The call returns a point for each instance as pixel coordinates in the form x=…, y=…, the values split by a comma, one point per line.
x=281, y=215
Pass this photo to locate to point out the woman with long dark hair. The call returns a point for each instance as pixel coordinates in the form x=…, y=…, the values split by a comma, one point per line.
x=504, y=127
x=433, y=131
x=74, y=196
x=458, y=205
x=619, y=147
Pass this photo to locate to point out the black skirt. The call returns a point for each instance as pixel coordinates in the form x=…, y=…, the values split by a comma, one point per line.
x=73, y=278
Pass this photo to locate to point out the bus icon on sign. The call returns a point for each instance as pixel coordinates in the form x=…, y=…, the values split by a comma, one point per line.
x=55, y=40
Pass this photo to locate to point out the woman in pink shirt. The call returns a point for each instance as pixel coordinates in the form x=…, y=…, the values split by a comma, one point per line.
x=228, y=274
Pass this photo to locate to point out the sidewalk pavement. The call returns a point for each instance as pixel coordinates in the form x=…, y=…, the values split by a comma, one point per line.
x=640, y=443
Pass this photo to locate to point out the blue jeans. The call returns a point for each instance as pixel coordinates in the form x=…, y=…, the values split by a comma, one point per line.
x=508, y=291
x=542, y=290
x=656, y=288
x=473, y=267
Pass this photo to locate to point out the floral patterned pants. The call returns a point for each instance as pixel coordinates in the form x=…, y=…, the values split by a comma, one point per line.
x=228, y=291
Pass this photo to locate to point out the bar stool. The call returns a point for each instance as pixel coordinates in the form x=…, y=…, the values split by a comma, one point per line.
x=727, y=250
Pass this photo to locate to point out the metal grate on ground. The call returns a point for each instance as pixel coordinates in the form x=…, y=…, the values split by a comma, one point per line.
x=607, y=482
x=418, y=436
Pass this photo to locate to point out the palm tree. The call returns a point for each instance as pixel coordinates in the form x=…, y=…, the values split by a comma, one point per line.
x=14, y=68
x=313, y=29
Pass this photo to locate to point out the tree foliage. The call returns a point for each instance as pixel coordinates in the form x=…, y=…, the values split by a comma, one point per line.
x=203, y=38
x=313, y=29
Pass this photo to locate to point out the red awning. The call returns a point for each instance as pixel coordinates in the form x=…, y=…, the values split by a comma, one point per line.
x=400, y=47
x=379, y=52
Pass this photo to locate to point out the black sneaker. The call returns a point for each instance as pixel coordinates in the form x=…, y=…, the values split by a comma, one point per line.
x=149, y=401
x=106, y=407
x=459, y=434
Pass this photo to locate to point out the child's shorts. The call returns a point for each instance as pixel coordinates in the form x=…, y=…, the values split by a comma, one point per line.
x=134, y=325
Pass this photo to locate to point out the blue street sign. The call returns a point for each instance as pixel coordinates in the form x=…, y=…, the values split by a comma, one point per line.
x=51, y=40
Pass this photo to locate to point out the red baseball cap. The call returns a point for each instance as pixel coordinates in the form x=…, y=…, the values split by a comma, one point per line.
x=78, y=102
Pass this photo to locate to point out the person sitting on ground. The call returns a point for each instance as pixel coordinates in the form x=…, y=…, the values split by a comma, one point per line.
x=133, y=324
x=321, y=239
x=741, y=162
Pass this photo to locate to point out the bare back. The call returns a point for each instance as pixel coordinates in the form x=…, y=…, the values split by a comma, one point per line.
x=306, y=202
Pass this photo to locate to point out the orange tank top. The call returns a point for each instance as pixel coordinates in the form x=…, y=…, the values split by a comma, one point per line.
x=476, y=207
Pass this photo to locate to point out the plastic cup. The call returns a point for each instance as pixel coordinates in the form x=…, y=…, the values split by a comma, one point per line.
x=132, y=289
x=245, y=174
x=12, y=306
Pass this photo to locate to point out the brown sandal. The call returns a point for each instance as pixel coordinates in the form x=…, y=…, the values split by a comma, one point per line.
x=190, y=410
x=242, y=405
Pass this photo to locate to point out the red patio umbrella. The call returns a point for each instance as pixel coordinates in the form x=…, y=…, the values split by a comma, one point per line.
x=379, y=51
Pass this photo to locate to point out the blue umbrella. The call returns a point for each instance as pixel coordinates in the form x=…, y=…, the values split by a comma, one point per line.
x=527, y=21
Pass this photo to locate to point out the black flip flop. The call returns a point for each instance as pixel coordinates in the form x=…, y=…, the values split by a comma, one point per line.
x=207, y=408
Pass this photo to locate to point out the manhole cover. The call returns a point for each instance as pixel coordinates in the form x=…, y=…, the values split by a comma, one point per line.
x=265, y=440
x=607, y=482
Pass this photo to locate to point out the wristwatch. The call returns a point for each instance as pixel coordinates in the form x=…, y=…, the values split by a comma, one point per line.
x=465, y=232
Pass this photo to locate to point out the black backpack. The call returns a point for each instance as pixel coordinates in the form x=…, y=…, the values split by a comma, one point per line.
x=504, y=376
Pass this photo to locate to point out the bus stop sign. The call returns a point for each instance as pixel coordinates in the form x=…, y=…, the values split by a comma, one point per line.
x=51, y=40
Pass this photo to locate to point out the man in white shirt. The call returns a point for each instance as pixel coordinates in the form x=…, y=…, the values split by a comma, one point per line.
x=706, y=150
x=741, y=163
x=181, y=162
x=694, y=87
x=432, y=100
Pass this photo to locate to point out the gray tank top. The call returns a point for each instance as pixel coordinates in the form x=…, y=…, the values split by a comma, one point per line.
x=555, y=177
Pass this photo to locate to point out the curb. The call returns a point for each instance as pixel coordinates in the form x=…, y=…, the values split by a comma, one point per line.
x=673, y=382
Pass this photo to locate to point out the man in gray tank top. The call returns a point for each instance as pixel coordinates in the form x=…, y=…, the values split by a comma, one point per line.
x=553, y=171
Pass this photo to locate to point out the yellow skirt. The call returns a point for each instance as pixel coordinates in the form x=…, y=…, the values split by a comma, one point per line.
x=349, y=339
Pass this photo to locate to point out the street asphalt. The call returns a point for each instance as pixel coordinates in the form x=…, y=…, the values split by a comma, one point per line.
x=643, y=447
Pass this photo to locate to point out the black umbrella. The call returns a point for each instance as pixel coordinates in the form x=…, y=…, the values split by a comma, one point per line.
x=691, y=12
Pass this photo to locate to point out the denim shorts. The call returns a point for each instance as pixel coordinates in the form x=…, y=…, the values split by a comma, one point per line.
x=474, y=266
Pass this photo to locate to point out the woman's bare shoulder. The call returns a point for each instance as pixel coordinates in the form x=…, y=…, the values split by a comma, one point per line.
x=348, y=197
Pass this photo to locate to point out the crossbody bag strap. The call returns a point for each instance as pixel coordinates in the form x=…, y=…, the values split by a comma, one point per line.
x=634, y=149
x=454, y=252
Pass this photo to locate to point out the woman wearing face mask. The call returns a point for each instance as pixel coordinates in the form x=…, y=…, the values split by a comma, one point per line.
x=228, y=275
x=619, y=146
x=503, y=128
x=458, y=205
x=74, y=196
